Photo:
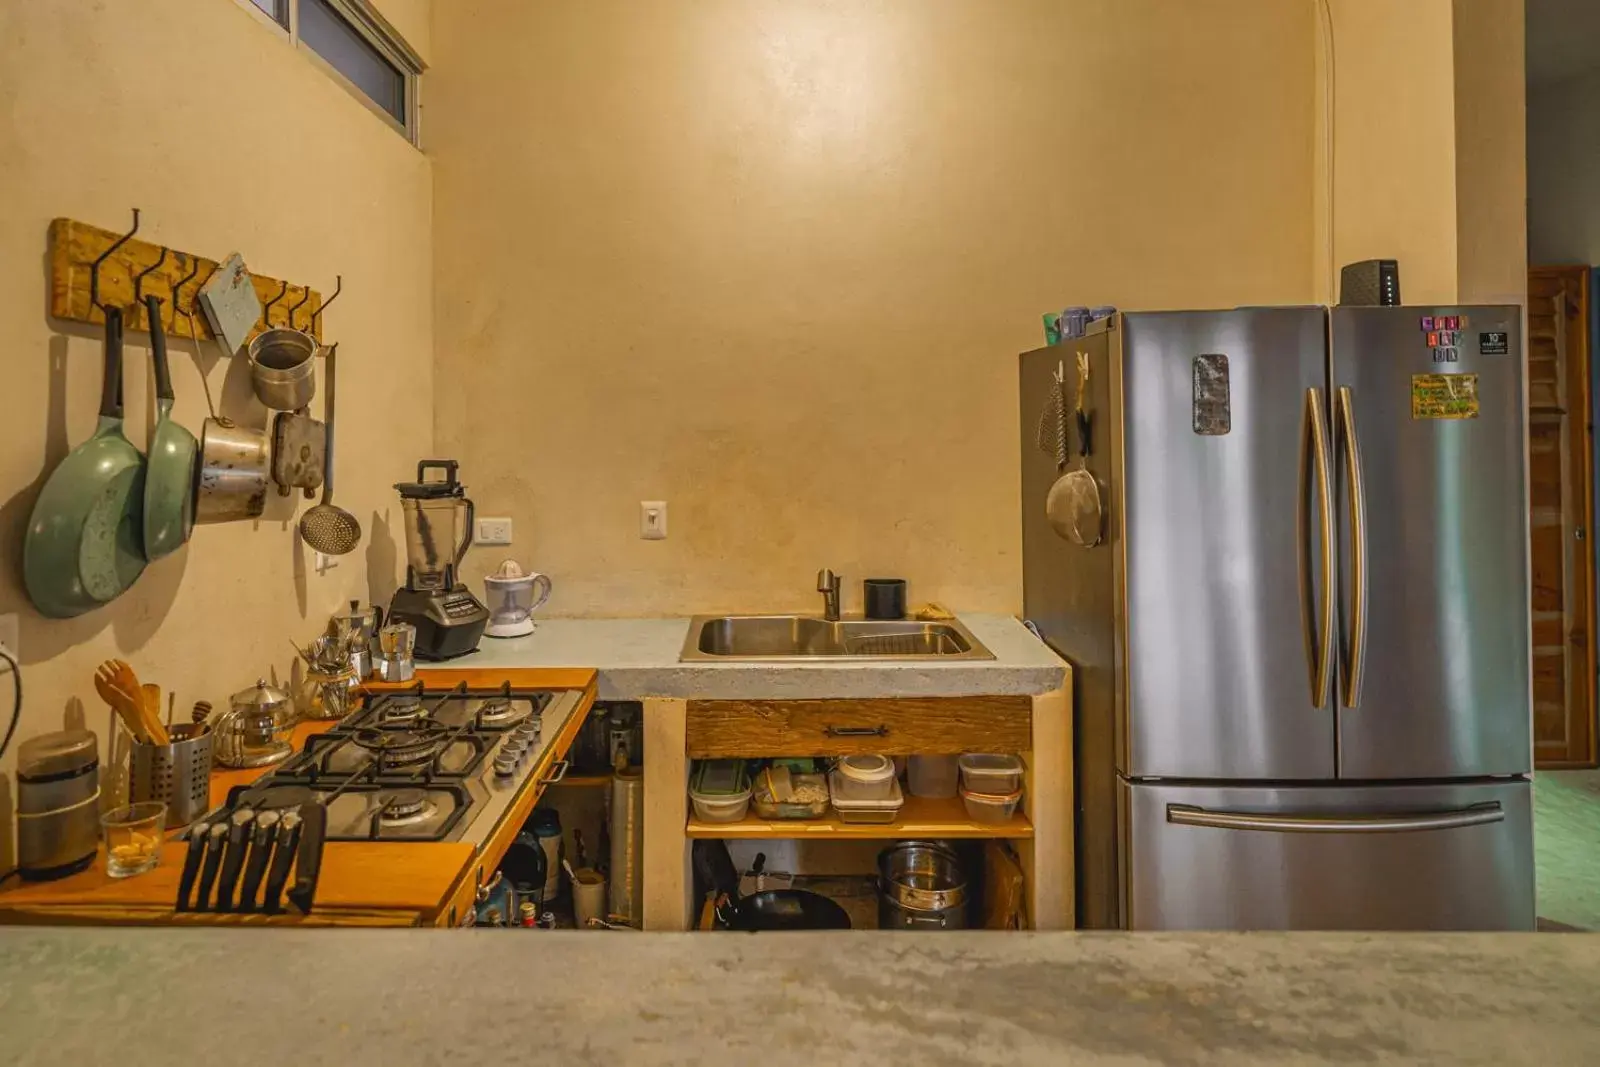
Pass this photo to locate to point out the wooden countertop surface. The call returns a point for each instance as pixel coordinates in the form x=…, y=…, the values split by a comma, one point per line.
x=361, y=882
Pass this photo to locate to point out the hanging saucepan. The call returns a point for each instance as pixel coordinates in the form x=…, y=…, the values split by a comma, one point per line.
x=232, y=473
x=169, y=481
x=84, y=544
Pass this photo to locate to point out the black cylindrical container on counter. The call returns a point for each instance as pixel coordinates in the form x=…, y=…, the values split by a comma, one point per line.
x=885, y=598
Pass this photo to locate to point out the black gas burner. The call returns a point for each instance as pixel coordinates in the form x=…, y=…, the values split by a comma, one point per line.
x=418, y=743
x=404, y=807
x=401, y=709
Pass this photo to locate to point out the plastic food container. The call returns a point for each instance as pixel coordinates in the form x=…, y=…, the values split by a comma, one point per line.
x=869, y=777
x=808, y=799
x=986, y=772
x=990, y=807
x=720, y=790
x=853, y=805
x=933, y=776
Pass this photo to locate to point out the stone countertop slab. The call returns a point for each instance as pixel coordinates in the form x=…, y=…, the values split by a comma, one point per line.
x=131, y=997
x=638, y=658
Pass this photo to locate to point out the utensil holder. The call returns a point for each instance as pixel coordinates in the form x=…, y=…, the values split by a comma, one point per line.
x=179, y=773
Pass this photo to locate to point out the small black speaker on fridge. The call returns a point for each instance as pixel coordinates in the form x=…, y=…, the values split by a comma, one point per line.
x=1370, y=283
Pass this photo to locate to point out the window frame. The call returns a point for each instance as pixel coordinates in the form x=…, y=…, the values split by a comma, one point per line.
x=384, y=39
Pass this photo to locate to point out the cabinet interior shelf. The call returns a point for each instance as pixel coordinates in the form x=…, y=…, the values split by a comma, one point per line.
x=921, y=817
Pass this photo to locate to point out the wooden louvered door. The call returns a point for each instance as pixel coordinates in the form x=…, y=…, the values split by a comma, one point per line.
x=1560, y=446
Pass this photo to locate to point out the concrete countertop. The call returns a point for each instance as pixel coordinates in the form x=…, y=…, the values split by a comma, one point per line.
x=129, y=997
x=638, y=658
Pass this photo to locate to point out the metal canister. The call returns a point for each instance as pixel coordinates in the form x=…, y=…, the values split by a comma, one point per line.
x=58, y=804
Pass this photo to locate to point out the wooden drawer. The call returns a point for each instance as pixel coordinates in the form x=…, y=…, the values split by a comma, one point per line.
x=925, y=725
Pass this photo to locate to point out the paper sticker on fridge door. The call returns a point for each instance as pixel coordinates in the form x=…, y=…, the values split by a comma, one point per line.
x=1444, y=396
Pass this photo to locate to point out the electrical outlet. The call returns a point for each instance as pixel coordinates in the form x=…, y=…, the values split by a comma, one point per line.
x=11, y=634
x=493, y=532
x=653, y=520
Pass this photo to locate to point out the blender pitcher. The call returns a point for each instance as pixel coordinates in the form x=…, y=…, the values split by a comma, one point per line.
x=438, y=519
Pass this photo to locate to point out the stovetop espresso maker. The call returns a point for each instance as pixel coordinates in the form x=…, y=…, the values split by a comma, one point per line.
x=449, y=620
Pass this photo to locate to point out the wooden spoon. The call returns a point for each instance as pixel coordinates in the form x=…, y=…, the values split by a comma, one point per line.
x=121, y=702
x=151, y=702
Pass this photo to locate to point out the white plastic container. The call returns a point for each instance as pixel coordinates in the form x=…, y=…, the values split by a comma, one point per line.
x=988, y=772
x=990, y=807
x=933, y=776
x=853, y=805
x=720, y=791
x=870, y=777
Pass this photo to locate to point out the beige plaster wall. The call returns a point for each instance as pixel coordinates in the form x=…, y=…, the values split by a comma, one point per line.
x=227, y=140
x=1491, y=152
x=772, y=262
x=1564, y=170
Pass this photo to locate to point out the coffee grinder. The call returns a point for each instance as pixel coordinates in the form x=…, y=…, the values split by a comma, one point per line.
x=449, y=620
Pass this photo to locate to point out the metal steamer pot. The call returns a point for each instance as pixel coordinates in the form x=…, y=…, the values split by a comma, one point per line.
x=283, y=368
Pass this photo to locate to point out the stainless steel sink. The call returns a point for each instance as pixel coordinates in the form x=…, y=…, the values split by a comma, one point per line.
x=723, y=638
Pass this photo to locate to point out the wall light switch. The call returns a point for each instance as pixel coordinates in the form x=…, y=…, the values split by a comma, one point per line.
x=493, y=532
x=653, y=520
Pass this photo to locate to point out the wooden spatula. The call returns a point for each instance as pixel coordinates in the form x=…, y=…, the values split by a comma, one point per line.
x=126, y=707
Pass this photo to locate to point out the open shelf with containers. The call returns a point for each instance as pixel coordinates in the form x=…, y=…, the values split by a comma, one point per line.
x=1035, y=836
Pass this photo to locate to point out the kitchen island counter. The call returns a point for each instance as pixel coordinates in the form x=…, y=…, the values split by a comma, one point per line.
x=1246, y=1000
x=638, y=658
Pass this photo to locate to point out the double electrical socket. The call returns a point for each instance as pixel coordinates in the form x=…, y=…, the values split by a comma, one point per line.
x=493, y=532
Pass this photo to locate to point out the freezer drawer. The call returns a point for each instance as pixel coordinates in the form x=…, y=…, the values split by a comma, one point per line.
x=1404, y=857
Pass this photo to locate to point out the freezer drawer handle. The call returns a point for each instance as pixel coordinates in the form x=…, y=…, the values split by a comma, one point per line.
x=857, y=731
x=1476, y=815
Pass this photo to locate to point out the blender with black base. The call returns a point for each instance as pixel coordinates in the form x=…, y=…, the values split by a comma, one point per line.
x=449, y=620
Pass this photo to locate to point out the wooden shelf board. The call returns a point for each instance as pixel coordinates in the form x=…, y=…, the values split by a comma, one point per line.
x=921, y=817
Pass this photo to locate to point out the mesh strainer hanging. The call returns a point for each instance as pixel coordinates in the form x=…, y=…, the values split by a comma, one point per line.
x=328, y=528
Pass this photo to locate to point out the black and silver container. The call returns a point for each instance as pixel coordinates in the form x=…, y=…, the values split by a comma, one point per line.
x=58, y=804
x=922, y=885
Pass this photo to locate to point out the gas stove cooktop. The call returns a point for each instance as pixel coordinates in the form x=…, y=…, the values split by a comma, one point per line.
x=420, y=764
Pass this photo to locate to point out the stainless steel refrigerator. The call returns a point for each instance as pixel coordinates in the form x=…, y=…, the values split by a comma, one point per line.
x=1301, y=649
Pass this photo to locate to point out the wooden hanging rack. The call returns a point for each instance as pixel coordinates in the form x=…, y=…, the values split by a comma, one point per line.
x=173, y=275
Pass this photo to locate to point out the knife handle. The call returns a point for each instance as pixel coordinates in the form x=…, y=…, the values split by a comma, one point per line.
x=282, y=860
x=216, y=842
x=191, y=863
x=308, y=862
x=233, y=860
x=265, y=834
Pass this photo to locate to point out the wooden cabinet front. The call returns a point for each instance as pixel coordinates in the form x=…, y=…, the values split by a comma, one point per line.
x=926, y=725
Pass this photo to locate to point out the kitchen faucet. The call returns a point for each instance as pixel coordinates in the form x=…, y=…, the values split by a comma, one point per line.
x=828, y=586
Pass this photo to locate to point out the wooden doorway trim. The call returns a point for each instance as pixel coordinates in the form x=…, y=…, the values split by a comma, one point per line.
x=1561, y=502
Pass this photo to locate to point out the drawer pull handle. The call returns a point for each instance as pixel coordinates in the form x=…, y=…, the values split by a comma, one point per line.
x=557, y=772
x=881, y=730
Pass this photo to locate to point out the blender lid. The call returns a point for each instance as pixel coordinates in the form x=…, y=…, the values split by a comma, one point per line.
x=423, y=489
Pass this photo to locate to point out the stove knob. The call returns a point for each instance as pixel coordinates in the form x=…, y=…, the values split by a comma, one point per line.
x=505, y=766
x=512, y=749
x=527, y=735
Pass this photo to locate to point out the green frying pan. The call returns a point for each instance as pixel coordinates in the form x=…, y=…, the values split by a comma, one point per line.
x=169, y=476
x=84, y=541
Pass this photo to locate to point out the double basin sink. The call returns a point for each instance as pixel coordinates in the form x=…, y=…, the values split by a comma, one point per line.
x=724, y=638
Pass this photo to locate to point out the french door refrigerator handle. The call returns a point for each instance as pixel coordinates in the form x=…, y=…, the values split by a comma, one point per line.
x=1356, y=648
x=1319, y=646
x=1399, y=823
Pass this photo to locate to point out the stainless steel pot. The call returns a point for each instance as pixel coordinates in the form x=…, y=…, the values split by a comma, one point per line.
x=921, y=884
x=283, y=368
x=231, y=475
x=255, y=731
x=58, y=804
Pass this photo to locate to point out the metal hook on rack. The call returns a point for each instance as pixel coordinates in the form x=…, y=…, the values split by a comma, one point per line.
x=296, y=307
x=94, y=268
x=138, y=279
x=266, y=312
x=338, y=287
x=187, y=278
